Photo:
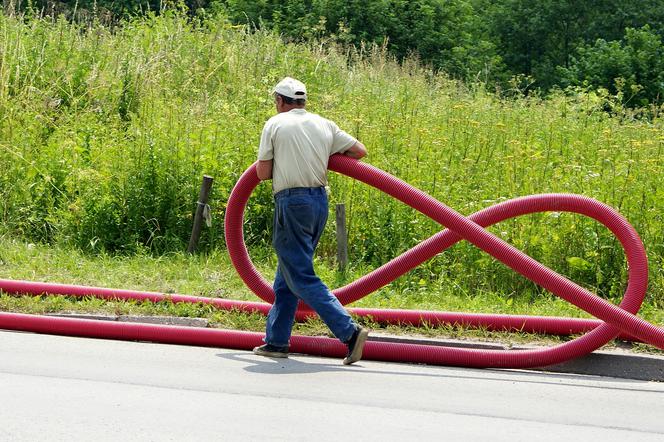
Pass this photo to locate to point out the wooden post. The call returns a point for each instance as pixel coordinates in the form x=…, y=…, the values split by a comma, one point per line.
x=9, y=8
x=342, y=236
x=206, y=185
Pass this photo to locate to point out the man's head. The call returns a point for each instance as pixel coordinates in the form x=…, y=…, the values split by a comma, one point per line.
x=289, y=94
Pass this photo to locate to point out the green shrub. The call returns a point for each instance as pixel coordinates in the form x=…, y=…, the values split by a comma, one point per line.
x=104, y=137
x=632, y=68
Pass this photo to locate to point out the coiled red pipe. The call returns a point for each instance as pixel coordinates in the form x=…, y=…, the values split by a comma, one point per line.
x=472, y=229
x=601, y=334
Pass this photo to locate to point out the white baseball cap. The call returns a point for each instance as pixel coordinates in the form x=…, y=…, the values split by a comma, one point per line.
x=291, y=88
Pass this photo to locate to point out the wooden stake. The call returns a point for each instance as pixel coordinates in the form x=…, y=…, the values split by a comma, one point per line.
x=206, y=185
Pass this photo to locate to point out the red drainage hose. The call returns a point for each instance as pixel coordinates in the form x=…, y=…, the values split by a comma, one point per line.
x=317, y=346
x=615, y=318
x=516, y=323
x=470, y=230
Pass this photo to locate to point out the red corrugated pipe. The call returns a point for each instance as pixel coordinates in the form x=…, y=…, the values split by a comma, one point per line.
x=472, y=229
x=495, y=322
x=458, y=226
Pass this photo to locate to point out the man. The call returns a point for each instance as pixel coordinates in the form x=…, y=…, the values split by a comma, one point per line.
x=294, y=150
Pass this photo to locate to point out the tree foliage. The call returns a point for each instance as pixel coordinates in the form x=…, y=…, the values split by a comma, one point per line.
x=551, y=43
x=538, y=37
x=632, y=67
x=444, y=34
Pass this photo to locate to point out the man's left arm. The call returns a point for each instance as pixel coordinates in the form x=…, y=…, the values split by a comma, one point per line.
x=356, y=151
x=345, y=144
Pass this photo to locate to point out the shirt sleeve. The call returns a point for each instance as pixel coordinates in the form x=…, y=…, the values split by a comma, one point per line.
x=341, y=141
x=265, y=149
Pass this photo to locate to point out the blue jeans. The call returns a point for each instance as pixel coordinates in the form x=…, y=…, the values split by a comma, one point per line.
x=300, y=215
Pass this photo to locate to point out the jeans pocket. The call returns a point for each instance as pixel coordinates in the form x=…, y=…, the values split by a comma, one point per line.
x=302, y=216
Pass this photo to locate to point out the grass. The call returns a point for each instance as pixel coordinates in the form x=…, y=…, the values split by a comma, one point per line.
x=104, y=136
x=213, y=276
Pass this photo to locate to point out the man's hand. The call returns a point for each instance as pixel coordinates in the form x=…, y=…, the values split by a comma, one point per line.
x=264, y=170
x=356, y=151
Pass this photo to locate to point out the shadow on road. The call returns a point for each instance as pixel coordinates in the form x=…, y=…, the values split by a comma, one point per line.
x=293, y=365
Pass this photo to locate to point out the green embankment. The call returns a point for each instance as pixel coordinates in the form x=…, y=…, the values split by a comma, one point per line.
x=104, y=136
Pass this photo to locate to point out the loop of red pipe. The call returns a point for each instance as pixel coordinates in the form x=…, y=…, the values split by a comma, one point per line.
x=615, y=318
x=458, y=228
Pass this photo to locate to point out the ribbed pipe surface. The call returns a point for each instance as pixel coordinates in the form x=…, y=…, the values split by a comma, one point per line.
x=614, y=319
x=495, y=322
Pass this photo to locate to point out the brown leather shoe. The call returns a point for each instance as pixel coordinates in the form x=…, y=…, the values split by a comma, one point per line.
x=271, y=351
x=356, y=345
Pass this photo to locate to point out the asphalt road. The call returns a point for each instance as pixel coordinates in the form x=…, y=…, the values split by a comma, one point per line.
x=73, y=389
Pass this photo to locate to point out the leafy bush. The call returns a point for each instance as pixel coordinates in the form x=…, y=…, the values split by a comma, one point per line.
x=444, y=34
x=632, y=68
x=104, y=137
x=513, y=46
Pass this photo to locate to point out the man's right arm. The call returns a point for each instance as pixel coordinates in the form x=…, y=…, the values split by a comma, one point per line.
x=356, y=151
x=264, y=169
x=265, y=153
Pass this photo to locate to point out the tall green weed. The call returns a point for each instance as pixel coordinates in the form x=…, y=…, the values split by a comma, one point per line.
x=104, y=137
